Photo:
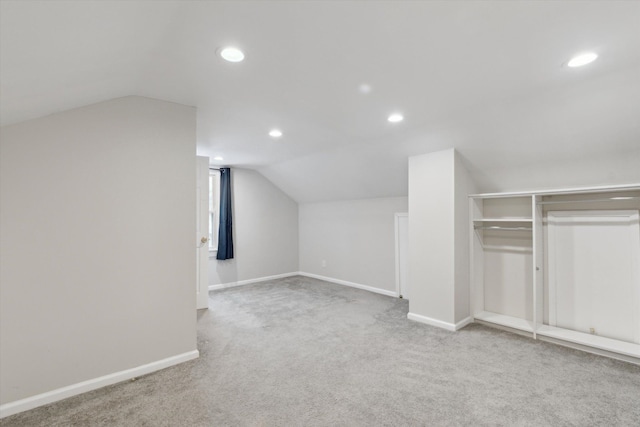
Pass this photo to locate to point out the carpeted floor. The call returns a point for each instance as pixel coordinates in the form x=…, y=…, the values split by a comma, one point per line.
x=302, y=352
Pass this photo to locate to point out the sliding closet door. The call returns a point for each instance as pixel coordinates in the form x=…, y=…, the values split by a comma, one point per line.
x=594, y=272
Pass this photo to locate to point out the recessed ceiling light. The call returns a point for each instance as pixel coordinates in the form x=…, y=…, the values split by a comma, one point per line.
x=364, y=88
x=395, y=118
x=582, y=59
x=275, y=133
x=232, y=54
x=218, y=158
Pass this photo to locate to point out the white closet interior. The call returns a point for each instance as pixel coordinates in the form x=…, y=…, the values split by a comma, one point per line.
x=562, y=266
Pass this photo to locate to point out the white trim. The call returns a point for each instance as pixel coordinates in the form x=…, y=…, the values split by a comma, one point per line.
x=202, y=232
x=505, y=328
x=464, y=322
x=351, y=284
x=590, y=349
x=396, y=229
x=538, y=263
x=599, y=189
x=21, y=405
x=439, y=323
x=216, y=205
x=396, y=224
x=504, y=320
x=249, y=281
x=595, y=341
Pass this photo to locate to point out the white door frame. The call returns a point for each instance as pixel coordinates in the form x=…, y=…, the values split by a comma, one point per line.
x=202, y=232
x=396, y=221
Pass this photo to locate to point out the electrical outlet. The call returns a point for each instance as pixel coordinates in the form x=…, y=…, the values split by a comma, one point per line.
x=592, y=331
x=324, y=263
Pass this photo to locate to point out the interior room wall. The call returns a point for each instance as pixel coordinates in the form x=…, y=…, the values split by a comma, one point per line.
x=438, y=239
x=464, y=185
x=607, y=168
x=265, y=227
x=355, y=239
x=431, y=242
x=97, y=220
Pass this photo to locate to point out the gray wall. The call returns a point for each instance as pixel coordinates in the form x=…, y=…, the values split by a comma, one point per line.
x=439, y=185
x=97, y=225
x=431, y=235
x=356, y=238
x=464, y=185
x=265, y=231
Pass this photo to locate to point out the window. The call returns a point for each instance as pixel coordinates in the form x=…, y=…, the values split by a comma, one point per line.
x=214, y=209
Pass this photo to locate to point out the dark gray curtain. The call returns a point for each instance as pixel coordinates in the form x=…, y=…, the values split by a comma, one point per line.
x=225, y=231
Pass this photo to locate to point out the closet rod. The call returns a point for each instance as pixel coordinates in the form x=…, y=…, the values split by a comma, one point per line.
x=610, y=199
x=214, y=169
x=481, y=227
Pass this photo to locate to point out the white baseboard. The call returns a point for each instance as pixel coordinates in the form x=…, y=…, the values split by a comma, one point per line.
x=32, y=402
x=247, y=282
x=439, y=323
x=464, y=322
x=351, y=284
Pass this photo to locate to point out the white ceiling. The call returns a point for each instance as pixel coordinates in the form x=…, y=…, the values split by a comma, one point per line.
x=486, y=78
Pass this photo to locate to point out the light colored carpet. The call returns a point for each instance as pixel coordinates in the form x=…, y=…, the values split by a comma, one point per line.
x=302, y=352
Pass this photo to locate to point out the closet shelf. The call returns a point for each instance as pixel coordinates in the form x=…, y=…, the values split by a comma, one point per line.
x=509, y=244
x=503, y=224
x=608, y=199
x=507, y=248
x=501, y=228
x=504, y=320
x=505, y=220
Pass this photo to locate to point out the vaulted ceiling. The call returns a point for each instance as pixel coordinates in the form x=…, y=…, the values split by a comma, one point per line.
x=487, y=78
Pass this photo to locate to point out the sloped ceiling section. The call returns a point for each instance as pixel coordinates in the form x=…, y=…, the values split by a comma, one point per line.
x=487, y=78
